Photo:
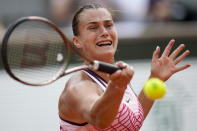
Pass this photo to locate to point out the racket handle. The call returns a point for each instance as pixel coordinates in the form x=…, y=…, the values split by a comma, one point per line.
x=105, y=67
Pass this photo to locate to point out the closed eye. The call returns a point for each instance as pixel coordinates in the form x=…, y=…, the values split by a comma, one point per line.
x=108, y=25
x=93, y=28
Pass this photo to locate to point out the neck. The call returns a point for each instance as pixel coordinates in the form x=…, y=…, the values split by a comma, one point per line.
x=105, y=76
x=107, y=60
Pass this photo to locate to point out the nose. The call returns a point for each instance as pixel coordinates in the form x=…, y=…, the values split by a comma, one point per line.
x=104, y=32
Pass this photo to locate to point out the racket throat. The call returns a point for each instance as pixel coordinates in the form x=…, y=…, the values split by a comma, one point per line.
x=95, y=65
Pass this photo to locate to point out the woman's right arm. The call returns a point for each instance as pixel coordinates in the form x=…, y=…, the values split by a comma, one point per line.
x=100, y=109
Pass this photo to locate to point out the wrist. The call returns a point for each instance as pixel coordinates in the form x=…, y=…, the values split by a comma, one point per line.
x=156, y=76
x=115, y=87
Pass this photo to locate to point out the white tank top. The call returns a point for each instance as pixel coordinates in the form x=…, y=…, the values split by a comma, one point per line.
x=129, y=118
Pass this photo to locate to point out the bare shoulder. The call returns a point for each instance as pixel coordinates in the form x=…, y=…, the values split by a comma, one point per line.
x=80, y=84
x=75, y=94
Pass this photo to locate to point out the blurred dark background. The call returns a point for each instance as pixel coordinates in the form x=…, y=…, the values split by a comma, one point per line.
x=141, y=24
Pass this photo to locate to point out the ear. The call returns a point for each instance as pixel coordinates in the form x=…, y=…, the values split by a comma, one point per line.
x=76, y=42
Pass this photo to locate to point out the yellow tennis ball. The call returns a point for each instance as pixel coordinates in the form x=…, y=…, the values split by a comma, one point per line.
x=154, y=88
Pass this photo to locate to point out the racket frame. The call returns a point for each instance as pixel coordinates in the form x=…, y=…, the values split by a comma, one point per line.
x=11, y=28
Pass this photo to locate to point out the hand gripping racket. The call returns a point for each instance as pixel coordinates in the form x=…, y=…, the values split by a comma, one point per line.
x=36, y=52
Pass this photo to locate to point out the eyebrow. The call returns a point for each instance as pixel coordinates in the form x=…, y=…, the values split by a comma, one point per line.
x=94, y=22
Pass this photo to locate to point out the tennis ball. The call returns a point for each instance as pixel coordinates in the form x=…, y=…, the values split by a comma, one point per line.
x=154, y=88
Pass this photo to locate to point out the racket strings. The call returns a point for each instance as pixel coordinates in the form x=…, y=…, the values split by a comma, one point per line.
x=35, y=52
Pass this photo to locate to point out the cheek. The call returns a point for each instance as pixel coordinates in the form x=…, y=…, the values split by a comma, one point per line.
x=115, y=37
x=88, y=43
x=90, y=40
x=113, y=32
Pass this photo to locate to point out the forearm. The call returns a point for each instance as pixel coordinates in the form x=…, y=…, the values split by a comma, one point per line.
x=106, y=108
x=145, y=102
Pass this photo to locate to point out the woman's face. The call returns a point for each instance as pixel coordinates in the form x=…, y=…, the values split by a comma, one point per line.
x=97, y=34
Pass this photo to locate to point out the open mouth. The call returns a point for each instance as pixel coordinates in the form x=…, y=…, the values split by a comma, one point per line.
x=104, y=43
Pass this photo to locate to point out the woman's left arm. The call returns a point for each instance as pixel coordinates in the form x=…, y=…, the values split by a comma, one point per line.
x=163, y=68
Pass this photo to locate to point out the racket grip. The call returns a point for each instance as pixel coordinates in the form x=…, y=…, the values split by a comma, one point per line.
x=105, y=67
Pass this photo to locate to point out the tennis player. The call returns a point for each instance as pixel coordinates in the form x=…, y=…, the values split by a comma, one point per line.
x=96, y=101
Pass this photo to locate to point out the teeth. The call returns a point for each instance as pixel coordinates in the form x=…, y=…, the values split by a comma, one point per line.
x=105, y=43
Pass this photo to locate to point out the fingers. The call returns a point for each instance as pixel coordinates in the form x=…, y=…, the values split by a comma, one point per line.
x=115, y=75
x=121, y=64
x=180, y=58
x=156, y=53
x=126, y=72
x=125, y=68
x=168, y=48
x=177, y=51
x=182, y=68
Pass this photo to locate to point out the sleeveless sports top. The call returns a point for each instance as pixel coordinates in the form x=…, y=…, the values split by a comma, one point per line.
x=129, y=118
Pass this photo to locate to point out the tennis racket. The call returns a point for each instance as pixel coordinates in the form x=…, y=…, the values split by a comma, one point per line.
x=36, y=52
